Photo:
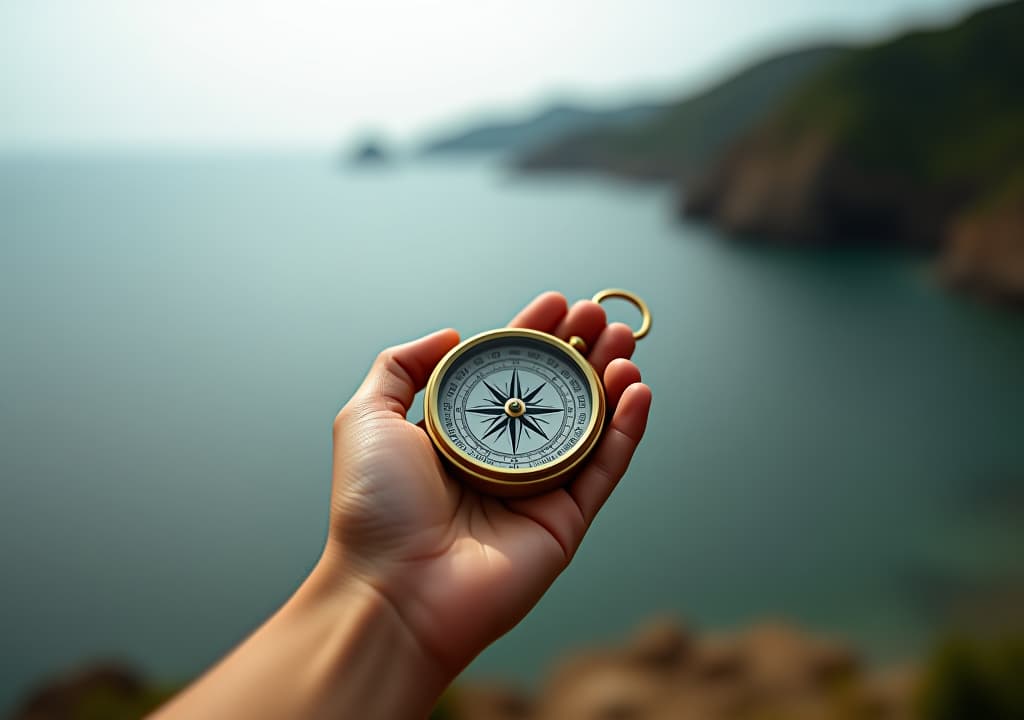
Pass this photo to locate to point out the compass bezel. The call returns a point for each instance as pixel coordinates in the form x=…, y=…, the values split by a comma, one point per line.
x=513, y=482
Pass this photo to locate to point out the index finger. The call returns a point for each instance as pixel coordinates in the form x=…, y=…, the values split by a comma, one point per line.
x=544, y=313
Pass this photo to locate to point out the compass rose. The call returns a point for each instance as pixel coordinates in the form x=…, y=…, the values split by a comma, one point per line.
x=514, y=410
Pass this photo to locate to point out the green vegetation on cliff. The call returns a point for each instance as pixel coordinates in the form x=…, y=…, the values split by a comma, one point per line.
x=915, y=141
x=936, y=106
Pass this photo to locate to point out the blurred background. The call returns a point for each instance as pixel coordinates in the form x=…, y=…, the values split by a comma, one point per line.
x=213, y=215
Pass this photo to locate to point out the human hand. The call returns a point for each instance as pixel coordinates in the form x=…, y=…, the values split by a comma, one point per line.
x=419, y=573
x=460, y=568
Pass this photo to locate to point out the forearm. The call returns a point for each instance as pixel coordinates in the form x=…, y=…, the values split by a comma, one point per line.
x=329, y=652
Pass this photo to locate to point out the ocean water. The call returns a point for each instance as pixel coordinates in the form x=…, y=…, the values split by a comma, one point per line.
x=834, y=438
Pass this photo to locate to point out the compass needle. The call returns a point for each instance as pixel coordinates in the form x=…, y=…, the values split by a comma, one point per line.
x=493, y=421
x=528, y=423
x=487, y=410
x=532, y=394
x=544, y=410
x=497, y=428
x=513, y=436
x=496, y=392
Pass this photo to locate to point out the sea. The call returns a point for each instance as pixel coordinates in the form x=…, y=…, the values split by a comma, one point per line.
x=836, y=440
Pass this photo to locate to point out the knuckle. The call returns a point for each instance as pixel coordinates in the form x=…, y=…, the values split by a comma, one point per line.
x=385, y=357
x=389, y=364
x=629, y=443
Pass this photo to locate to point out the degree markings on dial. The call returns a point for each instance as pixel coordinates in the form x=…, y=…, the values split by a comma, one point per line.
x=552, y=370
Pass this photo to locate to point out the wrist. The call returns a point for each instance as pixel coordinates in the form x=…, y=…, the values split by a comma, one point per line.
x=366, y=657
x=331, y=651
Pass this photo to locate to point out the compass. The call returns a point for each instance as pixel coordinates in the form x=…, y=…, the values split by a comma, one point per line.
x=514, y=411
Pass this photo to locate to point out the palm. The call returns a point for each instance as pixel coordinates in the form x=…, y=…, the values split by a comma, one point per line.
x=461, y=567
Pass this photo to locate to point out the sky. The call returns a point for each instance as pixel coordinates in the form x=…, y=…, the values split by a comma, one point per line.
x=316, y=74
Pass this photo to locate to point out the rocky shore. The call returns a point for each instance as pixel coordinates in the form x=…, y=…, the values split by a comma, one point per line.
x=99, y=691
x=666, y=672
x=984, y=251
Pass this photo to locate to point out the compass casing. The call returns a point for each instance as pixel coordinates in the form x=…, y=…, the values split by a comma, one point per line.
x=513, y=482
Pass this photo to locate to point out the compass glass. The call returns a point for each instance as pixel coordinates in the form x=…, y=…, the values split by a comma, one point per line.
x=514, y=403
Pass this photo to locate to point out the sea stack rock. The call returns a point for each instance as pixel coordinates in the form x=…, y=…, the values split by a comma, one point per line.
x=369, y=152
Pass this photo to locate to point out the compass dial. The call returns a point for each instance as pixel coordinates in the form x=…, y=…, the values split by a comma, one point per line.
x=515, y=402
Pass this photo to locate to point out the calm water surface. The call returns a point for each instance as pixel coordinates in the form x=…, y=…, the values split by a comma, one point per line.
x=831, y=434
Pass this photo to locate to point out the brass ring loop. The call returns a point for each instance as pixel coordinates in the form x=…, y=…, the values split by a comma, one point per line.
x=632, y=298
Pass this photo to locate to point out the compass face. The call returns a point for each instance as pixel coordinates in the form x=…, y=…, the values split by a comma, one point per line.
x=514, y=403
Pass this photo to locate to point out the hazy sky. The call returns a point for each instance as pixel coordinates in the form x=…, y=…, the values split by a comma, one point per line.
x=312, y=73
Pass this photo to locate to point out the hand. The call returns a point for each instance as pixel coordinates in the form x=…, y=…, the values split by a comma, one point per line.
x=419, y=573
x=458, y=567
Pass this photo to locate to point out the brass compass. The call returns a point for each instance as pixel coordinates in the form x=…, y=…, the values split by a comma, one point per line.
x=514, y=411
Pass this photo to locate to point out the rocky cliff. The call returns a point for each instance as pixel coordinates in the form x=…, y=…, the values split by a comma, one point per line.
x=918, y=141
x=984, y=249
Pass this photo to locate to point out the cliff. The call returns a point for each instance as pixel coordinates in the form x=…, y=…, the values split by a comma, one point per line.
x=917, y=141
x=985, y=248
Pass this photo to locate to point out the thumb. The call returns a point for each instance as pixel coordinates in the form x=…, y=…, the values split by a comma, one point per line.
x=401, y=371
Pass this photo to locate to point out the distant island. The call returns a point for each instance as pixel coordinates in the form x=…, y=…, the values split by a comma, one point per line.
x=368, y=152
x=914, y=142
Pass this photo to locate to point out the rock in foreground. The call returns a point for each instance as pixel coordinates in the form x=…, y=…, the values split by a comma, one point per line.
x=102, y=691
x=665, y=672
